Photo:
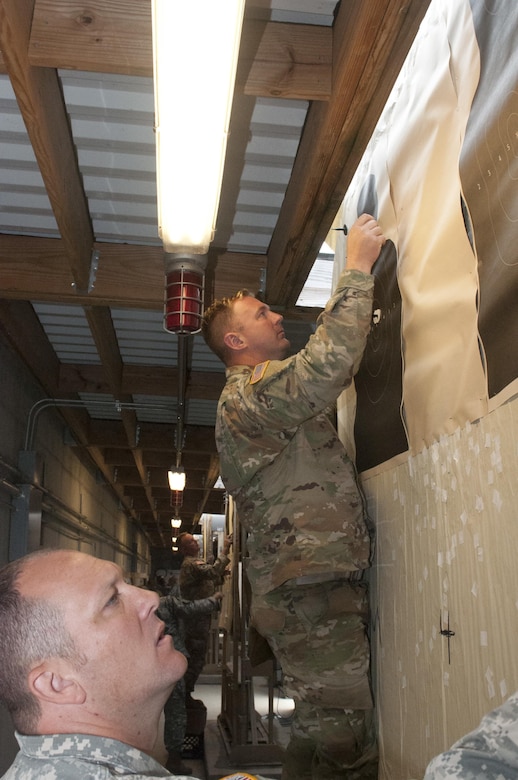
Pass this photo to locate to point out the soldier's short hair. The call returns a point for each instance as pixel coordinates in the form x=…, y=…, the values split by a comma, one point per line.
x=217, y=321
x=182, y=538
x=32, y=630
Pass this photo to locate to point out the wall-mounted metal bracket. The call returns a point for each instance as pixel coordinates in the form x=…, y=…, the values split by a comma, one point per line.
x=94, y=265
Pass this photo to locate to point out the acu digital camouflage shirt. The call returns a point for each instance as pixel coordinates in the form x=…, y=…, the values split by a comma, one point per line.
x=281, y=459
x=488, y=753
x=85, y=757
x=73, y=756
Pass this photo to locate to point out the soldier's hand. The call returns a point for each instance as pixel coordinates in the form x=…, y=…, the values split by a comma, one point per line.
x=226, y=543
x=364, y=244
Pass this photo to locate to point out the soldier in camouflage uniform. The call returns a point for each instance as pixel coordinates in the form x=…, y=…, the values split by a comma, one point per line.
x=173, y=610
x=85, y=669
x=297, y=496
x=488, y=753
x=198, y=580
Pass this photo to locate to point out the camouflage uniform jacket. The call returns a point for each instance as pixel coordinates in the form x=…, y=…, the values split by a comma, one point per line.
x=73, y=756
x=76, y=756
x=199, y=580
x=281, y=459
x=488, y=753
x=173, y=609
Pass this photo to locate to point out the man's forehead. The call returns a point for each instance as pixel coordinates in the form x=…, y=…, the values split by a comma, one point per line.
x=64, y=568
x=248, y=305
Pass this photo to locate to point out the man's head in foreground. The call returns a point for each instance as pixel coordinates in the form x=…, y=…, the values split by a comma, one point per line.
x=81, y=651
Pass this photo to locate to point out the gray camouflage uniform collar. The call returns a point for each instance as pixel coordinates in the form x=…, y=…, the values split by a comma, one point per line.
x=124, y=758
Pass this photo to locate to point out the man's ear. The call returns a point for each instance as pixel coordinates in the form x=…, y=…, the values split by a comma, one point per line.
x=233, y=341
x=55, y=685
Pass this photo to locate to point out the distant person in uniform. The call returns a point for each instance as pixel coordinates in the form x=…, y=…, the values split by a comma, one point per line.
x=85, y=669
x=198, y=580
x=173, y=610
x=297, y=496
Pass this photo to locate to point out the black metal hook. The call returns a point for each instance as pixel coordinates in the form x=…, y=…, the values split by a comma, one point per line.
x=446, y=632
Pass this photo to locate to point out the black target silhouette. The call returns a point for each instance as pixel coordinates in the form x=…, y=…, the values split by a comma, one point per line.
x=379, y=429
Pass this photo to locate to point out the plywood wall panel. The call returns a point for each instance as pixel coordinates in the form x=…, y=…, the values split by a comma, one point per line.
x=447, y=536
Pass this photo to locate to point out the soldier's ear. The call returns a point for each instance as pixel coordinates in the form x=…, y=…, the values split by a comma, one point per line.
x=54, y=682
x=234, y=341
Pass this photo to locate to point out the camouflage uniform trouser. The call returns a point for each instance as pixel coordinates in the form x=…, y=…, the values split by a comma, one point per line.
x=318, y=634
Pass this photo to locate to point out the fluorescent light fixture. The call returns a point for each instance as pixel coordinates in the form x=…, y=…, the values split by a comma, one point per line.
x=176, y=476
x=195, y=52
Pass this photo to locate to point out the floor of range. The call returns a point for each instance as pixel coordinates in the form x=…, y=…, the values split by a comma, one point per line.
x=216, y=761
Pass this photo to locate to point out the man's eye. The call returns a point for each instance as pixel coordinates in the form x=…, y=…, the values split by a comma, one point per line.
x=112, y=600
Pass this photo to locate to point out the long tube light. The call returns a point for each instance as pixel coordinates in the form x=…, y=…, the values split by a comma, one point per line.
x=195, y=52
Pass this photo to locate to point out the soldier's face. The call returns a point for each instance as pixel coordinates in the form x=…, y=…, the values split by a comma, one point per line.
x=125, y=655
x=190, y=546
x=260, y=329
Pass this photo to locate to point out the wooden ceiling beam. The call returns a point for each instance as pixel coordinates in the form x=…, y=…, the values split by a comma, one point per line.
x=114, y=456
x=191, y=505
x=116, y=35
x=194, y=492
x=153, y=459
x=190, y=510
x=84, y=378
x=152, y=436
x=25, y=332
x=162, y=380
x=103, y=332
x=128, y=276
x=289, y=60
x=192, y=461
x=40, y=99
x=198, y=438
x=101, y=327
x=156, y=480
x=141, y=380
x=129, y=475
x=285, y=60
x=208, y=496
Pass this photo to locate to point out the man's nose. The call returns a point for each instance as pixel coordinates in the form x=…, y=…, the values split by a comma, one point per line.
x=147, y=600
